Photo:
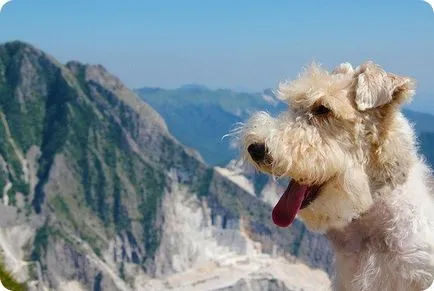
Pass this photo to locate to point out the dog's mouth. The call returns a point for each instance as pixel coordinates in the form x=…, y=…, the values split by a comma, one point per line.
x=295, y=197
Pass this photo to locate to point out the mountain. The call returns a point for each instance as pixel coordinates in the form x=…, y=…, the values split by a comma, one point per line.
x=96, y=194
x=199, y=117
x=426, y=140
x=424, y=126
x=423, y=122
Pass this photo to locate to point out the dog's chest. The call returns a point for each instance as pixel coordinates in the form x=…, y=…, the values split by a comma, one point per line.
x=371, y=232
x=378, y=252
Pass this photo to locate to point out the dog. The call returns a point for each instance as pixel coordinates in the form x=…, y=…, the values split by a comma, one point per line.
x=355, y=171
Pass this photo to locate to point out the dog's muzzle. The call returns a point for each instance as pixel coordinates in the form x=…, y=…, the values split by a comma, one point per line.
x=257, y=151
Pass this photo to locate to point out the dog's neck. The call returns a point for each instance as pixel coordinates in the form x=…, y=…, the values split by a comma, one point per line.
x=374, y=227
x=369, y=230
x=385, y=224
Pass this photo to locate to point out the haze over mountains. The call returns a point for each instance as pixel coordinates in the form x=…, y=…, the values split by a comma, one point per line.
x=96, y=194
x=199, y=117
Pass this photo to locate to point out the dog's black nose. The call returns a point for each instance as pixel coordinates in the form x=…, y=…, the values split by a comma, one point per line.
x=257, y=151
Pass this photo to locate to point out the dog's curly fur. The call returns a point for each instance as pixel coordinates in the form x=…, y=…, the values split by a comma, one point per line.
x=344, y=131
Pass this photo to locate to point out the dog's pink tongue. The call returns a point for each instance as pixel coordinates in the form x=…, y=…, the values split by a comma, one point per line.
x=286, y=209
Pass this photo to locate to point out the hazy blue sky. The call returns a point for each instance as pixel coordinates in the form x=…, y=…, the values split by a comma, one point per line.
x=227, y=43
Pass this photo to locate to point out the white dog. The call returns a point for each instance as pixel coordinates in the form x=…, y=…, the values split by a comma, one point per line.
x=356, y=174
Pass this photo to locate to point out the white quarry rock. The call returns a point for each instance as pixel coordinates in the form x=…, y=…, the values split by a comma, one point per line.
x=196, y=254
x=238, y=178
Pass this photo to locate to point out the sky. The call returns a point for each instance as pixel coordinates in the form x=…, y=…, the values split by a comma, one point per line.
x=244, y=45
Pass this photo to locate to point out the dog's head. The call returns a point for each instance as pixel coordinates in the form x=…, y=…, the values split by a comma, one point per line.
x=342, y=136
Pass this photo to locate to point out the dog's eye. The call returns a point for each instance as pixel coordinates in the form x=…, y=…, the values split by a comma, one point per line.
x=321, y=110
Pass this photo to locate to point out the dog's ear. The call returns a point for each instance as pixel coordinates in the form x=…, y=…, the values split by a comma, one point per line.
x=375, y=87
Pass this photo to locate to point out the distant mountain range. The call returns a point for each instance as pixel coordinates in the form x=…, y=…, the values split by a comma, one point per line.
x=199, y=117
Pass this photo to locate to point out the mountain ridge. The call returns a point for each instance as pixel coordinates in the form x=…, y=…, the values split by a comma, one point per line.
x=91, y=175
x=211, y=114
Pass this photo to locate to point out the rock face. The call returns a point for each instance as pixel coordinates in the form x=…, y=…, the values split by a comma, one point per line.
x=97, y=195
x=205, y=251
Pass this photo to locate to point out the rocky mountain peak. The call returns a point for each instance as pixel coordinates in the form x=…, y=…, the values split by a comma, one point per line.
x=98, y=195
